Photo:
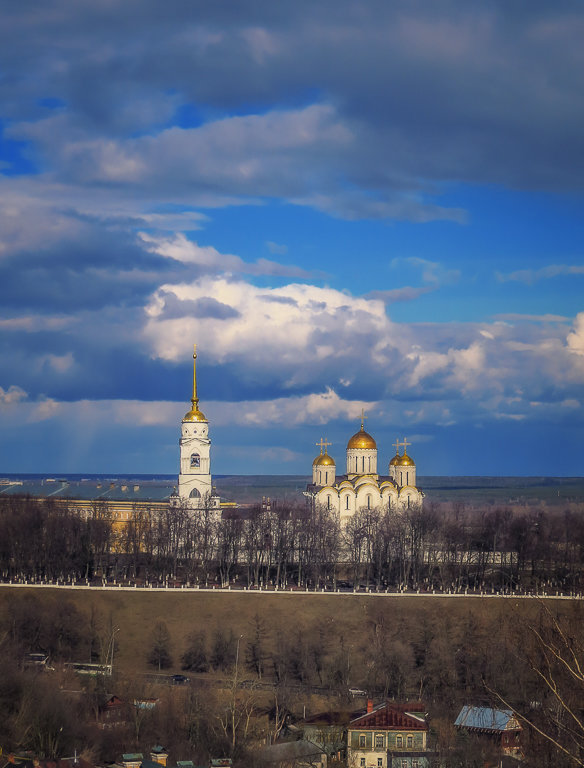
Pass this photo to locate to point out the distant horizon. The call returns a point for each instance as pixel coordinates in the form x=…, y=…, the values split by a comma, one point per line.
x=169, y=476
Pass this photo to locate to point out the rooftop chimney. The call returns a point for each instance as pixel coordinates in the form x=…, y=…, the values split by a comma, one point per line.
x=369, y=705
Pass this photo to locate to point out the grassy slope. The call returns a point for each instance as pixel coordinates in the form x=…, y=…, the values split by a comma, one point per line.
x=350, y=616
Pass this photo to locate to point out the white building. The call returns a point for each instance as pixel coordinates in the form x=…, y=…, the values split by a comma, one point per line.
x=195, y=485
x=361, y=486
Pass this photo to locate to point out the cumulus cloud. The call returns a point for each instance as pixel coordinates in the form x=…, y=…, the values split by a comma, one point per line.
x=297, y=335
x=575, y=339
x=289, y=329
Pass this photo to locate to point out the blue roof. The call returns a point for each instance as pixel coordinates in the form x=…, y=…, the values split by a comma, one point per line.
x=484, y=718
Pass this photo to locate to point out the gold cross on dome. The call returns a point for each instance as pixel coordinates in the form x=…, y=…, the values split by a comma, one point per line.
x=397, y=445
x=363, y=417
x=405, y=445
x=323, y=444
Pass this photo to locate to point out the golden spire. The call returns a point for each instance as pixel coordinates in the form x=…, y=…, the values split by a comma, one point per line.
x=195, y=414
x=194, y=398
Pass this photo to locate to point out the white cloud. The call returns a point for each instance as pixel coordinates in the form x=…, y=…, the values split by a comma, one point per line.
x=291, y=326
x=575, y=338
x=209, y=259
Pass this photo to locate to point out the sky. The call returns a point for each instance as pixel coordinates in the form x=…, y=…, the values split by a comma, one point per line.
x=346, y=206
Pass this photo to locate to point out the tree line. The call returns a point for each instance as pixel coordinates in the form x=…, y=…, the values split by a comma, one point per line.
x=436, y=547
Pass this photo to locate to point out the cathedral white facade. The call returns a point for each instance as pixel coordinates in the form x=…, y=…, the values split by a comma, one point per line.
x=195, y=485
x=361, y=486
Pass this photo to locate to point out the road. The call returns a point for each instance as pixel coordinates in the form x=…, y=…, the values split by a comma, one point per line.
x=300, y=592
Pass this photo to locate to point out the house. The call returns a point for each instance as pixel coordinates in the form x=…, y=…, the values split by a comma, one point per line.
x=159, y=755
x=293, y=754
x=390, y=735
x=113, y=714
x=500, y=724
x=132, y=759
x=329, y=731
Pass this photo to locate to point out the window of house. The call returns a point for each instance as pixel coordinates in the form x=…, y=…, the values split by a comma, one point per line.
x=195, y=460
x=362, y=740
x=404, y=764
x=415, y=764
x=410, y=742
x=379, y=762
x=379, y=741
x=399, y=741
x=362, y=761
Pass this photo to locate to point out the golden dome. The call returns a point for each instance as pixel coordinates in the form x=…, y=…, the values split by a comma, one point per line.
x=395, y=461
x=324, y=460
x=405, y=461
x=362, y=439
x=194, y=415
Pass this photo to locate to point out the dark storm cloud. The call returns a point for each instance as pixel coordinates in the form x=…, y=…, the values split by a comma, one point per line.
x=428, y=93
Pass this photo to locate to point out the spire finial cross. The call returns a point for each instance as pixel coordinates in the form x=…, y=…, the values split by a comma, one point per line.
x=405, y=445
x=363, y=417
x=323, y=444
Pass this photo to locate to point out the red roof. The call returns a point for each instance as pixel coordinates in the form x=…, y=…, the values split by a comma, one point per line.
x=392, y=717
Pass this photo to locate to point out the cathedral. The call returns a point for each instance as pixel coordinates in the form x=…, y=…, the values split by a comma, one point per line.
x=361, y=486
x=195, y=486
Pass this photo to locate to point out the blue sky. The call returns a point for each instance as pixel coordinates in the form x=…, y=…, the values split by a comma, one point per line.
x=346, y=206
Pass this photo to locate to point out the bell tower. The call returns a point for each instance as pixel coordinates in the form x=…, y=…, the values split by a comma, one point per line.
x=194, y=481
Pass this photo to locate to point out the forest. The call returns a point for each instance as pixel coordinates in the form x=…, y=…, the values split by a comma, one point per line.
x=256, y=664
x=448, y=547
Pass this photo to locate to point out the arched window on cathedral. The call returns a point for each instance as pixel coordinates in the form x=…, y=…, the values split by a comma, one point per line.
x=347, y=501
x=319, y=477
x=195, y=460
x=368, y=501
x=328, y=502
x=195, y=494
x=407, y=478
